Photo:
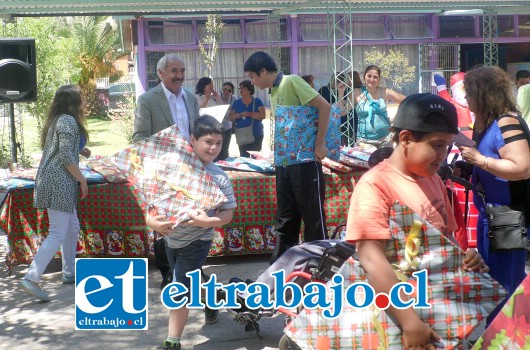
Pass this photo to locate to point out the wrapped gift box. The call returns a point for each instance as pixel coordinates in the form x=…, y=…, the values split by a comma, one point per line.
x=295, y=131
x=459, y=299
x=107, y=169
x=510, y=329
x=337, y=166
x=167, y=175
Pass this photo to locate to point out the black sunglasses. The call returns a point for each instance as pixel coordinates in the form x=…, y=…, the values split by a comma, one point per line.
x=227, y=89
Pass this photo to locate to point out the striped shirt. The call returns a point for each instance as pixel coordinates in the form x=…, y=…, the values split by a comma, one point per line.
x=184, y=235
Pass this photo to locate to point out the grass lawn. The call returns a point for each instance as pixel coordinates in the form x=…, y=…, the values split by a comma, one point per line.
x=105, y=138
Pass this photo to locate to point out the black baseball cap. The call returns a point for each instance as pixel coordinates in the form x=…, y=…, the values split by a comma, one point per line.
x=428, y=113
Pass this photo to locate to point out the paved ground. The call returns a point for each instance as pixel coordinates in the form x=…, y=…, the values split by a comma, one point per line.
x=29, y=324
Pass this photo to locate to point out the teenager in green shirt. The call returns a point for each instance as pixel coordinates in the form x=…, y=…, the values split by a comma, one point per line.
x=299, y=187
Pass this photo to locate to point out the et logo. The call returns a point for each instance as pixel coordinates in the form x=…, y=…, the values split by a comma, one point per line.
x=110, y=293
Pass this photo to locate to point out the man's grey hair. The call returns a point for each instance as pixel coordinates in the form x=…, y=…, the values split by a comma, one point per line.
x=162, y=62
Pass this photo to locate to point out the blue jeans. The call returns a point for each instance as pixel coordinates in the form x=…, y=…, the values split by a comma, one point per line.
x=186, y=259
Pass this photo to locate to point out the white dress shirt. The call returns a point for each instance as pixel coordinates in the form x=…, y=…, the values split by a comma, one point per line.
x=179, y=111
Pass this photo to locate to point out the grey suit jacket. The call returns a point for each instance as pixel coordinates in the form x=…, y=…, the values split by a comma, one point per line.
x=153, y=114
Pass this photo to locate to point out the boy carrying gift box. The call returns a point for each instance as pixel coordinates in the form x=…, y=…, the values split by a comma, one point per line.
x=424, y=127
x=189, y=243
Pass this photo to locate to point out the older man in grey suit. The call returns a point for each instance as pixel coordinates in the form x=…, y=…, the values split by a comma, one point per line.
x=164, y=105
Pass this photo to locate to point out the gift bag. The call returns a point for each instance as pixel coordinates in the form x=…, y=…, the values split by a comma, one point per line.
x=295, y=131
x=459, y=299
x=167, y=175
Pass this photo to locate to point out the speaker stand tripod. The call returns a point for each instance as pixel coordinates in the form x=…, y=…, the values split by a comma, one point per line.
x=14, y=143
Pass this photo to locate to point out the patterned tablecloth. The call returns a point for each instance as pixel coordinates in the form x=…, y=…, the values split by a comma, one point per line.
x=113, y=225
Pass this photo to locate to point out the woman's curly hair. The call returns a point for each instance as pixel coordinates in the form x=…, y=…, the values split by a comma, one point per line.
x=489, y=94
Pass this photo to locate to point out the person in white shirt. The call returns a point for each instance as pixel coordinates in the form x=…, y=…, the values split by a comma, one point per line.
x=228, y=97
x=166, y=104
x=522, y=77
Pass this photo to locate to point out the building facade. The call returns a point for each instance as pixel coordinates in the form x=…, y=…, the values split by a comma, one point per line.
x=431, y=43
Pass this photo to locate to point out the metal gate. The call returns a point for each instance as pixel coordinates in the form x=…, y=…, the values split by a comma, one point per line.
x=441, y=59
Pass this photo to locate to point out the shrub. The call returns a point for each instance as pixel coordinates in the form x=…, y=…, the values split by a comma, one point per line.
x=395, y=68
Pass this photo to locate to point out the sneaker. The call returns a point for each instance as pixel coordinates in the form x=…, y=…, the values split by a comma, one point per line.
x=210, y=316
x=34, y=289
x=68, y=279
x=171, y=346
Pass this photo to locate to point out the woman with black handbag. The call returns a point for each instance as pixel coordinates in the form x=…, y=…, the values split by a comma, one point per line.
x=501, y=162
x=248, y=113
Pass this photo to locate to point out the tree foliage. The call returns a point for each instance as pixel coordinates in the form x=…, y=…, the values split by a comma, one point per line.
x=209, y=44
x=395, y=68
x=54, y=59
x=98, y=47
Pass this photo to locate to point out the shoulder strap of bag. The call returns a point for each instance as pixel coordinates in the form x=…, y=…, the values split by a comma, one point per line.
x=480, y=190
x=253, y=109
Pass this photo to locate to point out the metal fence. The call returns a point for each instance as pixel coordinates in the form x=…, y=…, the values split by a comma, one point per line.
x=443, y=59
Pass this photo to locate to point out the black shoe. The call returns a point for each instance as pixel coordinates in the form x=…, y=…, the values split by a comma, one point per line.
x=279, y=249
x=239, y=280
x=210, y=315
x=235, y=280
x=171, y=346
x=166, y=281
x=163, y=284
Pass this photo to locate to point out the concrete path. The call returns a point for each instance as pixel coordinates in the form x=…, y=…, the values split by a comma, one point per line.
x=29, y=324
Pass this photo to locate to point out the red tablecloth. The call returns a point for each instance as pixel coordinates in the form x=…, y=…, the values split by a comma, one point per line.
x=112, y=221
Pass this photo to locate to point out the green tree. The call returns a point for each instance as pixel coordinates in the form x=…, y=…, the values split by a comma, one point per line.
x=54, y=57
x=98, y=47
x=209, y=45
x=395, y=67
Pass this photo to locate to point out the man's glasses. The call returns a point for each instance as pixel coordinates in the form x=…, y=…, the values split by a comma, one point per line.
x=227, y=89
